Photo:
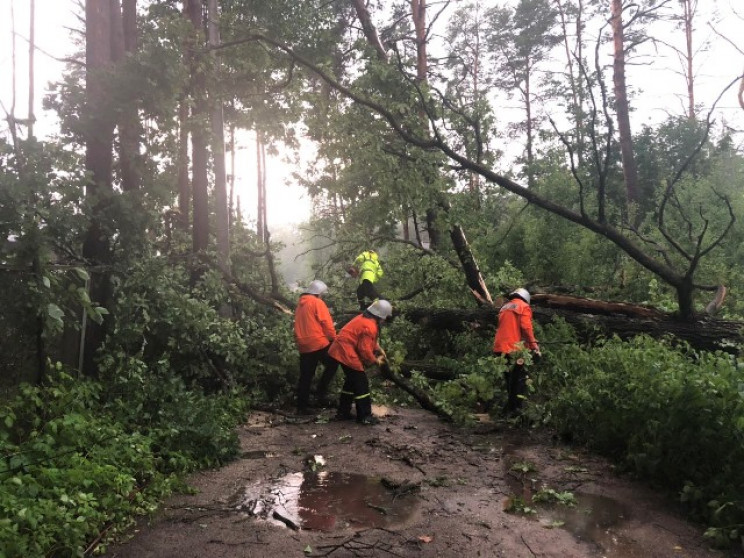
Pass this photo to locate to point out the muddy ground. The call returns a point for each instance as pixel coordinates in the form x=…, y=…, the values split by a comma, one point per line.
x=411, y=486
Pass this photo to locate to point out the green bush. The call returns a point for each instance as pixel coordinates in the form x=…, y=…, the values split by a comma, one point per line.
x=675, y=418
x=76, y=466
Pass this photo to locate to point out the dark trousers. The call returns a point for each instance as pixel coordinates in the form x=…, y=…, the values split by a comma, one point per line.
x=516, y=385
x=366, y=291
x=308, y=363
x=355, y=390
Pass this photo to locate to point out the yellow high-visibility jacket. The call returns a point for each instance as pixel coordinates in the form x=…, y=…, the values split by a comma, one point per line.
x=368, y=264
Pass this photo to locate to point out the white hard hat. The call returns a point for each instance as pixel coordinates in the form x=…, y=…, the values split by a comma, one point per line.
x=521, y=293
x=317, y=287
x=381, y=308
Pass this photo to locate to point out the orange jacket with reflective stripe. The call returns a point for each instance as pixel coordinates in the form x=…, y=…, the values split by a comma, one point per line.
x=515, y=326
x=313, y=325
x=356, y=343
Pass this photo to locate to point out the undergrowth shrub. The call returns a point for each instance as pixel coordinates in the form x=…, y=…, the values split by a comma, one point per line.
x=162, y=325
x=77, y=467
x=673, y=417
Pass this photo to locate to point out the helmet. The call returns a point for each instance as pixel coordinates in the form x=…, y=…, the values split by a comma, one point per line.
x=381, y=309
x=521, y=293
x=317, y=287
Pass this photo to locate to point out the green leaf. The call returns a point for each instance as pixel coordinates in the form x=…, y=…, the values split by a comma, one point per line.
x=46, y=282
x=82, y=273
x=55, y=312
x=308, y=549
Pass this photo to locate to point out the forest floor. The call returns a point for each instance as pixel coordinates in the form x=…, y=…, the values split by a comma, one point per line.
x=411, y=486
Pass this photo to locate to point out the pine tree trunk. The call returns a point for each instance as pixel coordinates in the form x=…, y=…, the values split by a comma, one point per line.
x=261, y=190
x=218, y=149
x=130, y=130
x=200, y=159
x=630, y=170
x=184, y=185
x=98, y=162
x=31, y=52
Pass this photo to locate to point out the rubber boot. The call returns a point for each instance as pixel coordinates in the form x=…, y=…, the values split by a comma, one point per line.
x=344, y=406
x=364, y=410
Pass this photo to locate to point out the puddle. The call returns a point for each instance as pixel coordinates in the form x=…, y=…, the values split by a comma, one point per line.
x=259, y=419
x=595, y=519
x=257, y=454
x=325, y=501
x=598, y=520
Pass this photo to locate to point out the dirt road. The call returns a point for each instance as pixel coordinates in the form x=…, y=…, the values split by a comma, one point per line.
x=412, y=486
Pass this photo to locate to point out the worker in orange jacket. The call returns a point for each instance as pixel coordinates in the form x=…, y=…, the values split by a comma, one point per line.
x=355, y=348
x=515, y=333
x=314, y=331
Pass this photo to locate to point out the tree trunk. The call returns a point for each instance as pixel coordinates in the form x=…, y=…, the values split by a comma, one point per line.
x=593, y=318
x=182, y=162
x=218, y=147
x=418, y=11
x=31, y=52
x=419, y=395
x=199, y=184
x=530, y=130
x=370, y=31
x=99, y=138
x=231, y=195
x=630, y=170
x=576, y=96
x=130, y=130
x=431, y=229
x=689, y=14
x=470, y=266
x=261, y=189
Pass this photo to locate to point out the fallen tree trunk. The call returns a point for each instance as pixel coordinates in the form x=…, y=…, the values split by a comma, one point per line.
x=428, y=369
x=423, y=398
x=593, y=318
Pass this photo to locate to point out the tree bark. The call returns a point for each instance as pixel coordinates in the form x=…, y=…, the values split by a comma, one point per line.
x=99, y=133
x=370, y=31
x=199, y=155
x=472, y=272
x=130, y=130
x=218, y=147
x=31, y=52
x=593, y=318
x=622, y=107
x=261, y=188
x=577, y=102
x=422, y=397
x=231, y=181
x=418, y=11
x=530, y=127
x=182, y=162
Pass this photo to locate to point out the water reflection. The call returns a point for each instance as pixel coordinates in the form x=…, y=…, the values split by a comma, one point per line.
x=595, y=519
x=326, y=501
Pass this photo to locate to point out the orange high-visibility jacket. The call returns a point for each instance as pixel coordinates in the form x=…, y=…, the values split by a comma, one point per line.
x=356, y=343
x=313, y=325
x=515, y=326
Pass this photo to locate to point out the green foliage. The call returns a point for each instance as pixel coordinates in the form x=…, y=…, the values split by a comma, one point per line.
x=551, y=496
x=78, y=460
x=675, y=418
x=69, y=471
x=518, y=505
